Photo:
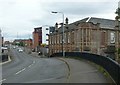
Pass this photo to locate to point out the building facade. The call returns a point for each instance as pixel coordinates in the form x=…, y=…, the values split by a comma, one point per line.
x=37, y=38
x=23, y=42
x=27, y=43
x=90, y=34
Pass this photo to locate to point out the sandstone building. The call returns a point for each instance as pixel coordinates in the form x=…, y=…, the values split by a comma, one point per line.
x=89, y=34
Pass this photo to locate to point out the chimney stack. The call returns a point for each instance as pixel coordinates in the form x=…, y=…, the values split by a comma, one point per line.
x=66, y=21
x=56, y=26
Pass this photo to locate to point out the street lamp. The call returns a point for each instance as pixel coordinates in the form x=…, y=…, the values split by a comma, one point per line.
x=63, y=53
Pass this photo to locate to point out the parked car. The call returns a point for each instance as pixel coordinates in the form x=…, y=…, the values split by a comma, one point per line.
x=33, y=50
x=14, y=47
x=20, y=50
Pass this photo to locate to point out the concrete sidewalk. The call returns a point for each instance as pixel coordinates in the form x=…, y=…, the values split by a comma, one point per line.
x=9, y=60
x=35, y=54
x=84, y=72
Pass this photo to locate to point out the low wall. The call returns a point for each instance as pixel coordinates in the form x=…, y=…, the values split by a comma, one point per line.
x=4, y=58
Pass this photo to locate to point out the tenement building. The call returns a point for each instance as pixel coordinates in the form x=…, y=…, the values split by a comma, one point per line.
x=89, y=34
x=37, y=38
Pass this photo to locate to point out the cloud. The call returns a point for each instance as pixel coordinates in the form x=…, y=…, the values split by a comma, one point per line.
x=9, y=36
x=78, y=8
x=75, y=10
x=49, y=1
x=24, y=15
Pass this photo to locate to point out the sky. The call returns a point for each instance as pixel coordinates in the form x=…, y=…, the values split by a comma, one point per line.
x=18, y=18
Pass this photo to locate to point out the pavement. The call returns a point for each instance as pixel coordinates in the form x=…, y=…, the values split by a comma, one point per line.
x=26, y=68
x=81, y=71
x=9, y=60
x=35, y=54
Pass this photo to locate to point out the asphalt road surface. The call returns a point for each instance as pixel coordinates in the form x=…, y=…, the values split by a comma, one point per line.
x=28, y=69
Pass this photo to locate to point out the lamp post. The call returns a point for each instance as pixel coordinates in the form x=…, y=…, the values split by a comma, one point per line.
x=63, y=53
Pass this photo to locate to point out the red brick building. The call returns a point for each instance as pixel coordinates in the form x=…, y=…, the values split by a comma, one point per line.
x=37, y=37
x=27, y=42
x=24, y=42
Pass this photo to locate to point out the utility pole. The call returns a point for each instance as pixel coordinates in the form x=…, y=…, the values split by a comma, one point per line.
x=63, y=37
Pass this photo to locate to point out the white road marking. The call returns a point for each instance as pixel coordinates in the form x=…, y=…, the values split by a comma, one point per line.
x=33, y=62
x=9, y=60
x=30, y=65
x=2, y=80
x=24, y=68
x=20, y=71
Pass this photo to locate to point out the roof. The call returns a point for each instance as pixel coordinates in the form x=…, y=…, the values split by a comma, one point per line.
x=104, y=23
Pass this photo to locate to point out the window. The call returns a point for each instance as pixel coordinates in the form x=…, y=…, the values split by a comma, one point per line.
x=50, y=39
x=112, y=37
x=64, y=37
x=103, y=38
x=69, y=37
x=119, y=37
x=84, y=35
x=72, y=37
x=60, y=38
x=57, y=39
x=54, y=39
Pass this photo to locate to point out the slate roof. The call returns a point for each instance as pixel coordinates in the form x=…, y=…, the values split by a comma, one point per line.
x=104, y=23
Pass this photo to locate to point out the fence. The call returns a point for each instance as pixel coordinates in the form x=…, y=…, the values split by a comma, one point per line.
x=112, y=67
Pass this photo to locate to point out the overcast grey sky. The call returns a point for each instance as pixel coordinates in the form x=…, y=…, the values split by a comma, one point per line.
x=22, y=16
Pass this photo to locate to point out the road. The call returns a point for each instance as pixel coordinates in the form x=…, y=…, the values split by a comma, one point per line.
x=28, y=69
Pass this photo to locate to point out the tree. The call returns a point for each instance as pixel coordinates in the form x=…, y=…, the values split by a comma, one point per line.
x=22, y=44
x=118, y=50
x=117, y=19
x=118, y=14
x=43, y=45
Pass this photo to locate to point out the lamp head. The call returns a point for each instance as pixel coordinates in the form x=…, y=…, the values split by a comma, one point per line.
x=54, y=12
